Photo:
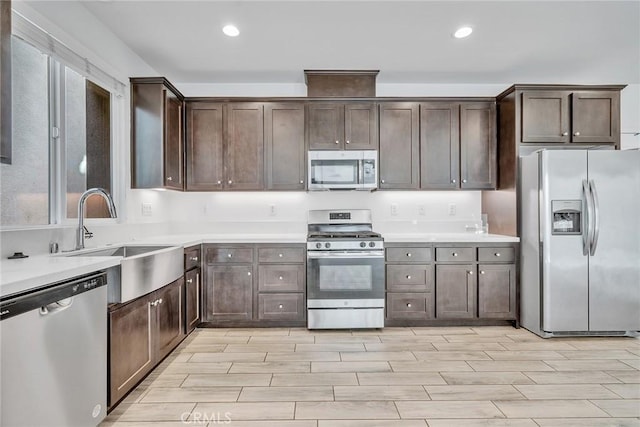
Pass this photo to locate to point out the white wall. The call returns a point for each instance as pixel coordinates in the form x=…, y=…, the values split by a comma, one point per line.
x=630, y=117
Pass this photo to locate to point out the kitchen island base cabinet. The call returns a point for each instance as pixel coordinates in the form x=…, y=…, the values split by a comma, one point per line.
x=141, y=333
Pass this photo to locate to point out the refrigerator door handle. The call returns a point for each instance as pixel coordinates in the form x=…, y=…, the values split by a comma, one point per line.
x=596, y=218
x=586, y=221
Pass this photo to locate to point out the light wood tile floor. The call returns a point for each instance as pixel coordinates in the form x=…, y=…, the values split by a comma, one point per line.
x=395, y=377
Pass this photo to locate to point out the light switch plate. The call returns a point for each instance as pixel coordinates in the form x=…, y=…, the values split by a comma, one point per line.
x=394, y=209
x=452, y=209
x=147, y=209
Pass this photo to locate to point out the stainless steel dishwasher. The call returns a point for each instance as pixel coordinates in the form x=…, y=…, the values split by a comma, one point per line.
x=53, y=354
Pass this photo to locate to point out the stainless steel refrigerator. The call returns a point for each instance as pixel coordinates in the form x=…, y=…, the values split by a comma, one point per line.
x=580, y=242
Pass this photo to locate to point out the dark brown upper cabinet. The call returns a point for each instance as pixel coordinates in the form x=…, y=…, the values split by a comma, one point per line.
x=284, y=146
x=225, y=146
x=440, y=145
x=565, y=116
x=5, y=81
x=478, y=146
x=399, y=146
x=157, y=142
x=341, y=126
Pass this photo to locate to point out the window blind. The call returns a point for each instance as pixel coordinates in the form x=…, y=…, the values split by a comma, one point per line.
x=46, y=43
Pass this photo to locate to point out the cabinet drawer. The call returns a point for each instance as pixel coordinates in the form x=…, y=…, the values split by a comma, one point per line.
x=281, y=278
x=281, y=254
x=410, y=306
x=281, y=307
x=224, y=255
x=500, y=254
x=408, y=254
x=191, y=257
x=455, y=254
x=409, y=278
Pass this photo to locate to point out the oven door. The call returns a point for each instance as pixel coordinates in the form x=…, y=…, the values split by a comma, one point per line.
x=345, y=275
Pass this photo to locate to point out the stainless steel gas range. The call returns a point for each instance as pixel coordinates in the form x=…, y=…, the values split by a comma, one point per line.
x=345, y=271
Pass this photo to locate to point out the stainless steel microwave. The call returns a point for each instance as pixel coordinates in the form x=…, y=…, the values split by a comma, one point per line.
x=343, y=170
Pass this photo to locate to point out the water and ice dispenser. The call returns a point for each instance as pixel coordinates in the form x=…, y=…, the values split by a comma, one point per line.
x=567, y=217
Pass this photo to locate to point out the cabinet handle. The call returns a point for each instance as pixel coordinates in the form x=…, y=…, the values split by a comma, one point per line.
x=453, y=181
x=382, y=181
x=455, y=254
x=347, y=142
x=219, y=182
x=194, y=258
x=280, y=255
x=408, y=277
x=189, y=280
x=248, y=273
x=497, y=254
x=280, y=278
x=464, y=181
x=153, y=303
x=160, y=301
x=301, y=182
x=565, y=133
x=229, y=255
x=280, y=305
x=481, y=271
x=230, y=182
x=409, y=254
x=409, y=304
x=169, y=178
x=470, y=273
x=337, y=142
x=576, y=134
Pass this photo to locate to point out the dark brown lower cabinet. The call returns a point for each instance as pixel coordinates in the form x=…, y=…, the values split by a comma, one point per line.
x=192, y=299
x=410, y=305
x=229, y=292
x=455, y=291
x=496, y=291
x=141, y=333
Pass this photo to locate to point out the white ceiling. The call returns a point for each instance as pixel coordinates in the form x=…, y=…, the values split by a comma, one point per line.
x=408, y=41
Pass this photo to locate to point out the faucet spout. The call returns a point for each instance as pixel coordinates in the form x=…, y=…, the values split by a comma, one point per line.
x=110, y=205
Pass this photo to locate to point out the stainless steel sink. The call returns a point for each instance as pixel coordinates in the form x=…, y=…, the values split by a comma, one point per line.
x=143, y=269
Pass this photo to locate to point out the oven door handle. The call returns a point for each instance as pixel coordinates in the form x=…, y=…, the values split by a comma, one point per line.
x=345, y=254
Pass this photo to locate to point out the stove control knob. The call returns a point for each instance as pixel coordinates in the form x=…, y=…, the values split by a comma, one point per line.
x=363, y=244
x=372, y=244
x=327, y=245
x=318, y=245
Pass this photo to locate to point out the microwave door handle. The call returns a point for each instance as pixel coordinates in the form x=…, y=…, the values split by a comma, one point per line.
x=361, y=173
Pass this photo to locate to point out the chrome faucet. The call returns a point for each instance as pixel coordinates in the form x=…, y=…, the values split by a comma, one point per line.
x=81, y=228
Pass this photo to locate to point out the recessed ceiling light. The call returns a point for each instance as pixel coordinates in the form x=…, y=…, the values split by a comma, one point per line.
x=462, y=32
x=231, y=30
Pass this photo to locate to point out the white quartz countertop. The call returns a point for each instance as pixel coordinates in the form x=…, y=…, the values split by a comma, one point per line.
x=448, y=238
x=30, y=273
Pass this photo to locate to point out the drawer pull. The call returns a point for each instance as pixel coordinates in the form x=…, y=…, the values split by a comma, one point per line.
x=230, y=182
x=280, y=278
x=453, y=181
x=194, y=258
x=464, y=181
x=565, y=133
x=248, y=273
x=280, y=306
x=409, y=304
x=408, y=277
x=382, y=181
x=301, y=182
x=481, y=271
x=497, y=254
x=454, y=254
x=219, y=182
x=576, y=134
x=337, y=142
x=229, y=255
x=169, y=178
x=409, y=254
x=470, y=273
x=280, y=255
x=189, y=280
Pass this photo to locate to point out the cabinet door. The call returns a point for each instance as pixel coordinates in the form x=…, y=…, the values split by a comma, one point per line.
x=131, y=351
x=545, y=116
x=399, y=149
x=173, y=142
x=360, y=127
x=204, y=146
x=168, y=305
x=439, y=146
x=229, y=292
x=595, y=117
x=192, y=299
x=497, y=291
x=478, y=146
x=325, y=126
x=455, y=291
x=244, y=147
x=284, y=145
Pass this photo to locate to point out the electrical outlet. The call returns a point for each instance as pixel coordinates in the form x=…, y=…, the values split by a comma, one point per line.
x=272, y=210
x=452, y=209
x=422, y=210
x=147, y=209
x=394, y=209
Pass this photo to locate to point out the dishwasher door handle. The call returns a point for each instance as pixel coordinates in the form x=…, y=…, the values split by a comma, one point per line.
x=56, y=307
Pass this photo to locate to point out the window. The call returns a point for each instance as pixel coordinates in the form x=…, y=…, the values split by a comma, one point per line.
x=62, y=133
